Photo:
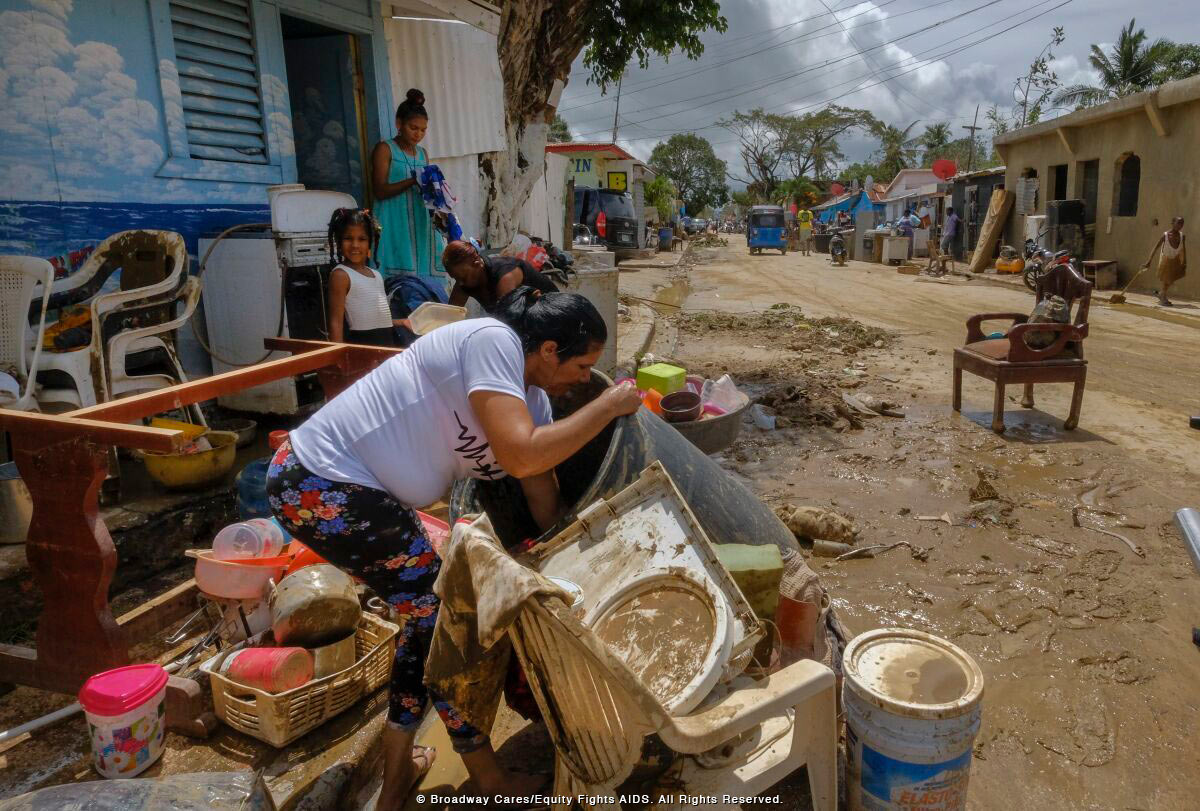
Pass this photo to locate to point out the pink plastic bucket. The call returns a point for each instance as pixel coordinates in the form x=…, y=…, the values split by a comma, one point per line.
x=126, y=717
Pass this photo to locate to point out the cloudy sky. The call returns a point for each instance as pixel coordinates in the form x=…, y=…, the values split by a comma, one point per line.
x=904, y=60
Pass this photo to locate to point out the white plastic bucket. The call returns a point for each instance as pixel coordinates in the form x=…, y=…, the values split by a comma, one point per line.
x=913, y=703
x=126, y=718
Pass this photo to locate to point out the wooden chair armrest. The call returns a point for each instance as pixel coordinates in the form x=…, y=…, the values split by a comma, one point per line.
x=747, y=708
x=1021, y=352
x=974, y=333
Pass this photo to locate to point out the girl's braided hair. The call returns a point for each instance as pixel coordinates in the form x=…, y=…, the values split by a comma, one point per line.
x=344, y=217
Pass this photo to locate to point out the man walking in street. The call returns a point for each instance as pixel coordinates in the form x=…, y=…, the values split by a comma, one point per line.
x=804, y=221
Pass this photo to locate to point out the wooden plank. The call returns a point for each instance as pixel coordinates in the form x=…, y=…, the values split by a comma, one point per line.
x=354, y=350
x=18, y=665
x=993, y=225
x=158, y=614
x=104, y=433
x=195, y=391
x=1067, y=136
x=1157, y=117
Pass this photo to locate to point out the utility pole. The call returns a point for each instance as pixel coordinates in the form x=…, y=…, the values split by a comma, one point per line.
x=974, y=126
x=617, y=111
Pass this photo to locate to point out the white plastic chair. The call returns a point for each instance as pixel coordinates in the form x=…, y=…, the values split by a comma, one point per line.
x=19, y=277
x=139, y=254
x=598, y=713
x=141, y=339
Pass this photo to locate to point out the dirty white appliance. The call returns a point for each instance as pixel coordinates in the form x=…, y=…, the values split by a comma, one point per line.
x=654, y=590
x=253, y=277
x=895, y=249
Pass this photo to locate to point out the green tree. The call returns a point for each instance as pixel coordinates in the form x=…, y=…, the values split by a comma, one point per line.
x=896, y=149
x=935, y=140
x=661, y=194
x=1126, y=68
x=559, y=131
x=538, y=42
x=860, y=172
x=799, y=190
x=810, y=141
x=1181, y=61
x=762, y=140
x=1034, y=89
x=689, y=163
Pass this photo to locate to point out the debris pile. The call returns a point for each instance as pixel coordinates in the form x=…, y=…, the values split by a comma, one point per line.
x=787, y=323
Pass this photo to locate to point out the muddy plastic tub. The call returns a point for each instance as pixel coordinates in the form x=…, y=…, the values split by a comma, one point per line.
x=727, y=511
x=716, y=433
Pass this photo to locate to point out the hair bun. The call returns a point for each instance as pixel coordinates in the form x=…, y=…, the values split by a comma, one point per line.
x=415, y=96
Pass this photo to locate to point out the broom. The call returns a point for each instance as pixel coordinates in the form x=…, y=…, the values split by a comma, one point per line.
x=1119, y=298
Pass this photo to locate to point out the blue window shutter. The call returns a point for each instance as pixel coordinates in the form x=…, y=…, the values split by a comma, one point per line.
x=219, y=80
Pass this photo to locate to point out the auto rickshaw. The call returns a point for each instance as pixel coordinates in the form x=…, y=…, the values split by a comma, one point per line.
x=765, y=229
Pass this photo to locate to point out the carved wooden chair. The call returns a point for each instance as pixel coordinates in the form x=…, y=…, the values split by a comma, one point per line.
x=1011, y=359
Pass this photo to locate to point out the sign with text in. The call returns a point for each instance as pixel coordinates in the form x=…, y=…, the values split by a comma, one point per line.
x=618, y=181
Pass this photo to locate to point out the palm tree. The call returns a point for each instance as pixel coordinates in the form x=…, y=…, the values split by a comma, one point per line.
x=1128, y=67
x=935, y=139
x=896, y=149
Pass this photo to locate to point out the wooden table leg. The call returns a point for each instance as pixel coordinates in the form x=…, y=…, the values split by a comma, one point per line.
x=1027, y=400
x=998, y=409
x=72, y=560
x=956, y=397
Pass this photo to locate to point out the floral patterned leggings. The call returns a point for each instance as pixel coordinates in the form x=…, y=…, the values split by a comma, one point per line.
x=368, y=534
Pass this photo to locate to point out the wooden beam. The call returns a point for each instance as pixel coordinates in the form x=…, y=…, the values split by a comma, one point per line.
x=297, y=345
x=1158, y=119
x=156, y=615
x=160, y=400
x=67, y=427
x=1067, y=136
x=18, y=665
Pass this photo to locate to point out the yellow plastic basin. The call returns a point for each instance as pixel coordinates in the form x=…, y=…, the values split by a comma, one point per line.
x=182, y=471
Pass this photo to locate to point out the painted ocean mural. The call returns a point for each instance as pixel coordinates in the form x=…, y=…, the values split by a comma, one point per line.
x=65, y=233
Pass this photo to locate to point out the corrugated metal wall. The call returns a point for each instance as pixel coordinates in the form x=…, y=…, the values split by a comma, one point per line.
x=544, y=213
x=462, y=173
x=457, y=69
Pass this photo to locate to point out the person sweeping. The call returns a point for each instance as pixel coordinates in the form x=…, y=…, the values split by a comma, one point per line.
x=1172, y=259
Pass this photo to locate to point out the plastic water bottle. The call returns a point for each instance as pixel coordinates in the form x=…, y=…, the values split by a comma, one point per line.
x=252, y=483
x=256, y=538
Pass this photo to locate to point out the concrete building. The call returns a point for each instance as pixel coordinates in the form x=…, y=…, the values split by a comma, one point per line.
x=608, y=166
x=970, y=196
x=179, y=115
x=1134, y=164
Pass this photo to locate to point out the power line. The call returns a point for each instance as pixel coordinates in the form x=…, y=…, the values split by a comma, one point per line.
x=923, y=63
x=743, y=91
x=687, y=74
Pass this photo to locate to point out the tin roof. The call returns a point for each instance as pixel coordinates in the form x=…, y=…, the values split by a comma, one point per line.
x=457, y=68
x=591, y=146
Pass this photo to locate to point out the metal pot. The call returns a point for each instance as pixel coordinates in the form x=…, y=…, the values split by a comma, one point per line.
x=314, y=607
x=16, y=505
x=333, y=658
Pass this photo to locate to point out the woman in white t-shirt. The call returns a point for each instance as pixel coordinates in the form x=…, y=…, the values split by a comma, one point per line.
x=467, y=400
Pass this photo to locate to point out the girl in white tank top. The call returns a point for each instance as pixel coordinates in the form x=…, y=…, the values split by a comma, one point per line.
x=356, y=292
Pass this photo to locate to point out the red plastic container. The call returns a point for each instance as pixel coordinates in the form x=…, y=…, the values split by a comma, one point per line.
x=276, y=438
x=125, y=711
x=273, y=670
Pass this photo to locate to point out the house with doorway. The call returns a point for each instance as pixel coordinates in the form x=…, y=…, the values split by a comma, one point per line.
x=179, y=114
x=1133, y=164
x=608, y=166
x=970, y=196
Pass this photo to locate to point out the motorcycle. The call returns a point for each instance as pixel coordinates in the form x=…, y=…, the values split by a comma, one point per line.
x=1043, y=261
x=837, y=250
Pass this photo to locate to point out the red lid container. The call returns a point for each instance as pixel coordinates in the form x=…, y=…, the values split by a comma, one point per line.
x=116, y=692
x=276, y=438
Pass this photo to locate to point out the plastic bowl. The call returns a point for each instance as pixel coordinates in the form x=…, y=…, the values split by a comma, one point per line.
x=244, y=579
x=182, y=471
x=681, y=406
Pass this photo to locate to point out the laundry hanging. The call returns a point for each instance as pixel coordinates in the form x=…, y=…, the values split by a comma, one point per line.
x=436, y=194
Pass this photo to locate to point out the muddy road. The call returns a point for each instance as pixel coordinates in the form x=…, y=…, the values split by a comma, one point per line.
x=1093, y=685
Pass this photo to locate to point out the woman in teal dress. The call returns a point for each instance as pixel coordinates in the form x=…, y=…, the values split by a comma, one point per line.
x=409, y=243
